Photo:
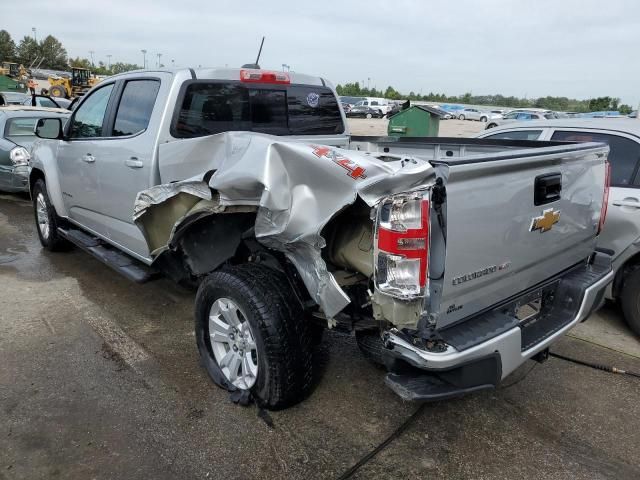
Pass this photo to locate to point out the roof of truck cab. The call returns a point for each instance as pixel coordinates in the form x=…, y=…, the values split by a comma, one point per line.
x=222, y=73
x=627, y=125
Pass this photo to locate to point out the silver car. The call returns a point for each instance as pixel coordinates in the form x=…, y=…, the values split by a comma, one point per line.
x=621, y=233
x=522, y=115
x=476, y=114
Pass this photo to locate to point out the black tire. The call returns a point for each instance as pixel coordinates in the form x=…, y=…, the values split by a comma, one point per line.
x=370, y=344
x=52, y=241
x=461, y=117
x=492, y=125
x=630, y=300
x=57, y=91
x=276, y=318
x=369, y=115
x=484, y=119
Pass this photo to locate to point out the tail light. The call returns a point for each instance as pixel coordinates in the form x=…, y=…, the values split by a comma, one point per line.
x=402, y=245
x=605, y=196
x=264, y=76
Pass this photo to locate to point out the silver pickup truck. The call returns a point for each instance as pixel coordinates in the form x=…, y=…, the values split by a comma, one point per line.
x=453, y=260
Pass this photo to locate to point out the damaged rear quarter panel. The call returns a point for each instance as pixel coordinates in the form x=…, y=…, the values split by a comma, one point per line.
x=296, y=187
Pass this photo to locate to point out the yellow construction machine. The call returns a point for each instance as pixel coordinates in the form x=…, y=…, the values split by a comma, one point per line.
x=80, y=82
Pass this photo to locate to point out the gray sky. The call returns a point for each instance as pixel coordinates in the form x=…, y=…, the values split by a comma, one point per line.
x=573, y=48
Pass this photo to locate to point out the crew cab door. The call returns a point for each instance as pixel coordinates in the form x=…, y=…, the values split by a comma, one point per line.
x=622, y=227
x=127, y=163
x=79, y=154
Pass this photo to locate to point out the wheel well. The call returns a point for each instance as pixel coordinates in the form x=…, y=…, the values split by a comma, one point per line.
x=632, y=264
x=34, y=176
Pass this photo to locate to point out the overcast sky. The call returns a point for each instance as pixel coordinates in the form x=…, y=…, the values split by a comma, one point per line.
x=573, y=48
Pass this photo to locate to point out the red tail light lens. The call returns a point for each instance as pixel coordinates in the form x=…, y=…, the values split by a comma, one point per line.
x=605, y=196
x=264, y=76
x=402, y=245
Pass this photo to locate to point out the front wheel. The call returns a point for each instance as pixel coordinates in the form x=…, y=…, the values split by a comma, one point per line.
x=252, y=335
x=492, y=125
x=461, y=117
x=47, y=219
x=58, y=91
x=369, y=115
x=630, y=300
x=484, y=119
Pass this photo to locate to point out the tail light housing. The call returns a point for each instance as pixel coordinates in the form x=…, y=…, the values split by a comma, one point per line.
x=402, y=245
x=264, y=76
x=605, y=196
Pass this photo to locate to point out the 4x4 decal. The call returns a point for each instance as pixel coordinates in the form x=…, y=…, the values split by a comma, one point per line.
x=353, y=169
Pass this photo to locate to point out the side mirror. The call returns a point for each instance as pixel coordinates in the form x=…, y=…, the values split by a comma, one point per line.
x=49, y=128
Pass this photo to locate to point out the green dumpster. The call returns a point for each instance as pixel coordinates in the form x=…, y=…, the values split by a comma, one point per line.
x=415, y=121
x=9, y=85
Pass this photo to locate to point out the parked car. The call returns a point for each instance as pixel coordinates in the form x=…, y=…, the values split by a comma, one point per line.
x=12, y=98
x=346, y=107
x=47, y=102
x=191, y=172
x=633, y=114
x=381, y=104
x=621, y=234
x=17, y=126
x=360, y=111
x=444, y=114
x=476, y=114
x=522, y=115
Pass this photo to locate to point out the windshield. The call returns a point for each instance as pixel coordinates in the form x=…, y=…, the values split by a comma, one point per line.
x=208, y=108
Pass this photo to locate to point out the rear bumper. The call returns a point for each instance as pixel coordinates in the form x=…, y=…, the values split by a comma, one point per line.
x=514, y=344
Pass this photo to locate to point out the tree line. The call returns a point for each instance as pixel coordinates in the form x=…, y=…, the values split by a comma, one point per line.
x=50, y=53
x=560, y=104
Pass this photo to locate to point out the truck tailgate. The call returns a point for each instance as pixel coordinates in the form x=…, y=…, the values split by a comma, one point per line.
x=500, y=238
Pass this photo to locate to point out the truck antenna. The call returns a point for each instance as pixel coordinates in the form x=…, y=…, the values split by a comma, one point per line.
x=255, y=65
x=259, y=52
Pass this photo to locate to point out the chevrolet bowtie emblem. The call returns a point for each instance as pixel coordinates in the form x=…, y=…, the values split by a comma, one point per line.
x=546, y=221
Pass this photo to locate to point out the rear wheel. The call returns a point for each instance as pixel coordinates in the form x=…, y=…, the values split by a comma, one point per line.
x=369, y=115
x=630, y=300
x=483, y=119
x=57, y=92
x=461, y=117
x=46, y=219
x=252, y=335
x=492, y=125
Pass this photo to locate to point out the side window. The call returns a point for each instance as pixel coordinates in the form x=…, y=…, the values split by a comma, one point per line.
x=623, y=155
x=511, y=116
x=135, y=107
x=365, y=103
x=374, y=102
x=517, y=135
x=89, y=117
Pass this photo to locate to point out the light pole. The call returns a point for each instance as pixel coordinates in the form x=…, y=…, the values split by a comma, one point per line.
x=109, y=67
x=159, y=55
x=173, y=63
x=91, y=52
x=35, y=37
x=144, y=59
x=368, y=81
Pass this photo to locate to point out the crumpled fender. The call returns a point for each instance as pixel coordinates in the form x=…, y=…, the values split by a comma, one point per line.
x=296, y=187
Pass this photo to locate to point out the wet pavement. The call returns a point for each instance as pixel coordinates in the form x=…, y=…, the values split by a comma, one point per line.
x=99, y=378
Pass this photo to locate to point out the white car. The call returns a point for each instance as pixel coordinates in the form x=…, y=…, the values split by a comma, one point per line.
x=381, y=104
x=476, y=114
x=621, y=233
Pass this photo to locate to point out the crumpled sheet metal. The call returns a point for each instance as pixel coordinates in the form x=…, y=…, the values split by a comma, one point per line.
x=297, y=186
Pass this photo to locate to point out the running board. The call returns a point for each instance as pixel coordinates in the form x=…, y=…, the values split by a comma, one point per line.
x=131, y=268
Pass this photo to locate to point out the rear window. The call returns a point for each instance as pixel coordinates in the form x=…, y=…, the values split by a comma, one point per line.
x=624, y=153
x=207, y=108
x=517, y=135
x=20, y=127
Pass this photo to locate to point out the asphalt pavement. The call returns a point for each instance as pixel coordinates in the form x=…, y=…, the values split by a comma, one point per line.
x=99, y=379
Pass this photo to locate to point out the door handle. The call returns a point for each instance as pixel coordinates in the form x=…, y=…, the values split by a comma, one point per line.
x=627, y=202
x=133, y=162
x=89, y=158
